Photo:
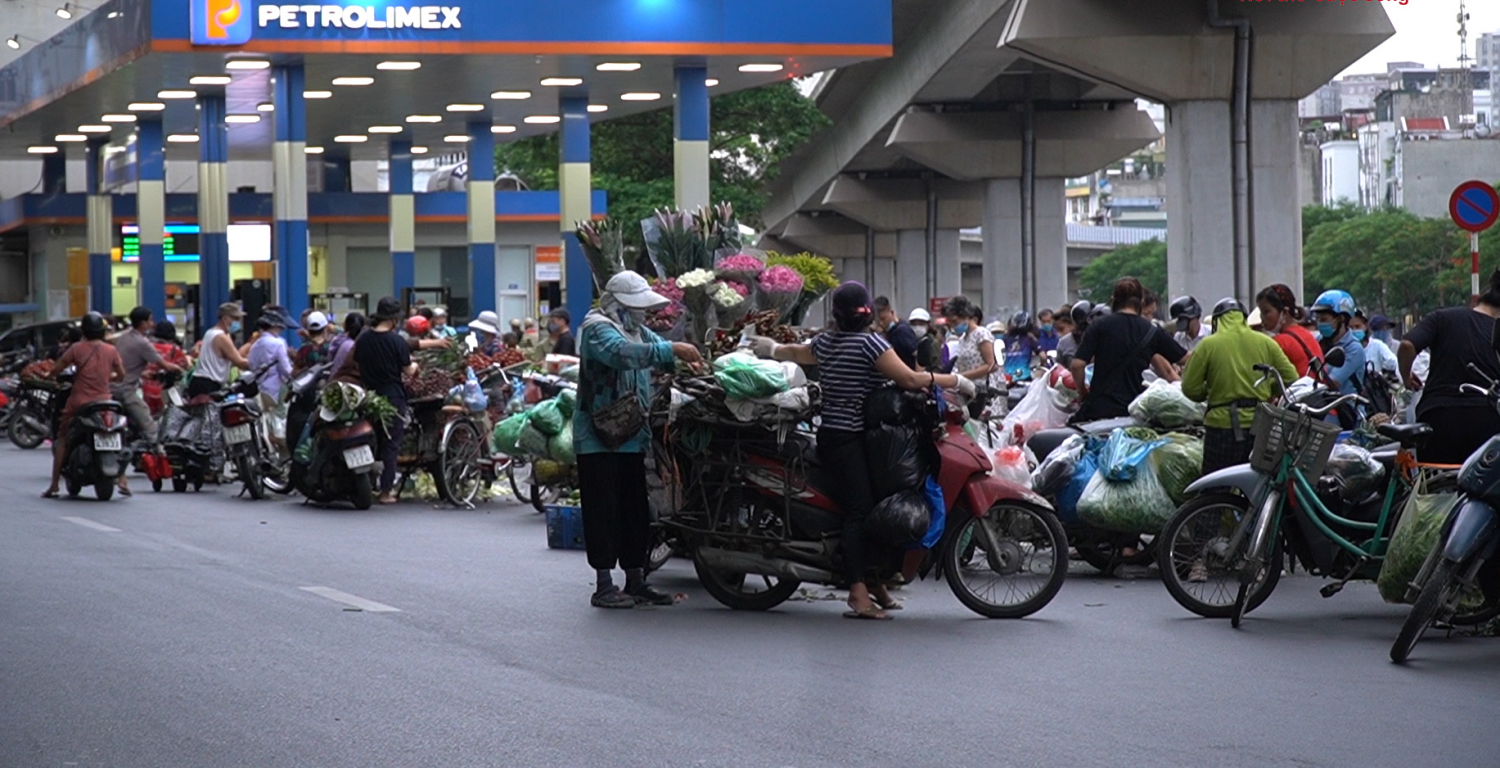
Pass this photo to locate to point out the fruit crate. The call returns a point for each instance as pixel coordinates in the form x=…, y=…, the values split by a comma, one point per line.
x=564, y=527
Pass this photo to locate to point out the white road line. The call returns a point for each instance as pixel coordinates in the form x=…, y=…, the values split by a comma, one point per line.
x=348, y=599
x=87, y=523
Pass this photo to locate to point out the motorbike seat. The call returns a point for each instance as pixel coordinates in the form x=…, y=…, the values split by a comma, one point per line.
x=1408, y=435
x=102, y=405
x=201, y=400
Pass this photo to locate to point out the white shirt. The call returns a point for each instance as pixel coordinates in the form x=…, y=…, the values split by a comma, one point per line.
x=211, y=364
x=1378, y=353
x=1189, y=343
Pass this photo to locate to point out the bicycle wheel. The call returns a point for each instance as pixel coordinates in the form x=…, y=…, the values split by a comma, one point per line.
x=518, y=472
x=457, y=475
x=1009, y=563
x=1196, y=566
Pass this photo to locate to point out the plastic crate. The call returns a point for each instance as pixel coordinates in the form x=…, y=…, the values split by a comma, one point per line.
x=564, y=527
x=1279, y=431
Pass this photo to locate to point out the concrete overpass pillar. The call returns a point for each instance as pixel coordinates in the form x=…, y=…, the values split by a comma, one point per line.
x=289, y=193
x=481, y=191
x=100, y=228
x=910, y=290
x=403, y=213
x=1275, y=140
x=575, y=185
x=213, y=209
x=1003, y=290
x=690, y=145
x=151, y=213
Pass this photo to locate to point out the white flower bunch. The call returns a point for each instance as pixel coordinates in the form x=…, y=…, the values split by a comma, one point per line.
x=727, y=297
x=697, y=278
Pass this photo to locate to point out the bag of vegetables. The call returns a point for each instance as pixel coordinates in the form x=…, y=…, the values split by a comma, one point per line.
x=1422, y=520
x=548, y=418
x=1178, y=462
x=1163, y=404
x=507, y=434
x=532, y=442
x=560, y=448
x=1140, y=505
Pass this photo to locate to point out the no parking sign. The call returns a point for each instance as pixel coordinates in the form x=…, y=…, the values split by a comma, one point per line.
x=1474, y=207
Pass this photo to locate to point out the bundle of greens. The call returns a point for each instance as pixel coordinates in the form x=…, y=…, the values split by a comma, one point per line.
x=603, y=244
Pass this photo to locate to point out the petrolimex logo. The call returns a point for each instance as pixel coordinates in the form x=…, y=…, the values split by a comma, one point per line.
x=221, y=22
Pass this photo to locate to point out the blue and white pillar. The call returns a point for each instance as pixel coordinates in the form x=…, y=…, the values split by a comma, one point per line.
x=101, y=216
x=403, y=218
x=213, y=209
x=481, y=217
x=575, y=188
x=289, y=195
x=690, y=137
x=151, y=213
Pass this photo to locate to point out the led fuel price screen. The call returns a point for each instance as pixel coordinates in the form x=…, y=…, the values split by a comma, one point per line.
x=247, y=242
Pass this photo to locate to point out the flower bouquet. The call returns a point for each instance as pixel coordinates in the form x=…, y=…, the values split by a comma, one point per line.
x=780, y=287
x=720, y=230
x=741, y=268
x=731, y=302
x=817, y=276
x=697, y=296
x=604, y=246
x=675, y=243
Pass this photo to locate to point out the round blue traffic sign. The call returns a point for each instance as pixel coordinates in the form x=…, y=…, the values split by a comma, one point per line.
x=1474, y=206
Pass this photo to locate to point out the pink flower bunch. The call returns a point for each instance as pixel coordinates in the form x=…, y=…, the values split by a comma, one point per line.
x=741, y=262
x=780, y=279
x=669, y=289
x=738, y=287
x=670, y=312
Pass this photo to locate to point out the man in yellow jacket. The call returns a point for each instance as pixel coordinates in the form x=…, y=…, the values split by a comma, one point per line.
x=1222, y=373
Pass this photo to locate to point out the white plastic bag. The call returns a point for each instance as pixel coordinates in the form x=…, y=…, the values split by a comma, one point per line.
x=1012, y=467
x=1036, y=411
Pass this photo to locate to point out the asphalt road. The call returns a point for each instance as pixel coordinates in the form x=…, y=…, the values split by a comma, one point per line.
x=178, y=630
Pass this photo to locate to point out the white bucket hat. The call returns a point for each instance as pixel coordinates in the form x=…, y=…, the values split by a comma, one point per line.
x=487, y=321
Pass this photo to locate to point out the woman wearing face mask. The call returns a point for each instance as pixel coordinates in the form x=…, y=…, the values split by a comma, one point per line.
x=219, y=353
x=1376, y=353
x=617, y=355
x=1281, y=317
x=974, y=358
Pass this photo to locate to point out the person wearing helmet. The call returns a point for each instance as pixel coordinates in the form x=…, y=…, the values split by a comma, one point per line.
x=417, y=327
x=1455, y=338
x=1221, y=372
x=1120, y=345
x=271, y=362
x=96, y=364
x=1187, y=313
x=1333, y=310
x=928, y=357
x=440, y=324
x=1021, y=345
x=315, y=349
x=1078, y=322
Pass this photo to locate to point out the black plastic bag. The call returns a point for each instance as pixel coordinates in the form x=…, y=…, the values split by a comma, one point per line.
x=895, y=460
x=900, y=520
x=889, y=405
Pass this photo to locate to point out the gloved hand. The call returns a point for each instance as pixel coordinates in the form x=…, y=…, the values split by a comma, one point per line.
x=966, y=387
x=764, y=347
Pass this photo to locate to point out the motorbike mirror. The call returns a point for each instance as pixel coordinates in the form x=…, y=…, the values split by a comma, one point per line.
x=1335, y=358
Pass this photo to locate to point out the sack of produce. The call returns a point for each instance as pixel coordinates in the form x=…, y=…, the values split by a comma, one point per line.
x=1164, y=404
x=1178, y=462
x=1139, y=505
x=532, y=442
x=1422, y=520
x=1357, y=472
x=894, y=455
x=744, y=377
x=507, y=434
x=1011, y=466
x=1083, y=471
x=550, y=472
x=900, y=520
x=1053, y=474
x=560, y=447
x=548, y=418
x=567, y=401
x=1125, y=452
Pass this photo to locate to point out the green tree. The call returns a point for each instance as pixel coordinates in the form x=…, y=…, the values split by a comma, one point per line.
x=1314, y=216
x=1391, y=261
x=753, y=131
x=1146, y=262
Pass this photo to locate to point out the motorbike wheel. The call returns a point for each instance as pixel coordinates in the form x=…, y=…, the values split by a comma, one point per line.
x=543, y=496
x=104, y=490
x=364, y=493
x=1437, y=593
x=74, y=487
x=518, y=472
x=457, y=478
x=661, y=549
x=1208, y=583
x=21, y=435
x=1008, y=563
x=156, y=485
x=276, y=478
x=743, y=592
x=179, y=484
x=250, y=476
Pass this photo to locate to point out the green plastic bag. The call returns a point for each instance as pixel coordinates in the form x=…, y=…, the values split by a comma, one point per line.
x=1178, y=463
x=744, y=377
x=507, y=434
x=1422, y=520
x=1164, y=403
x=1139, y=506
x=532, y=442
x=560, y=448
x=548, y=418
x=567, y=400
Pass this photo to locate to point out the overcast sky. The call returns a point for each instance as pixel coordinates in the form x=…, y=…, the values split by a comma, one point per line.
x=1427, y=32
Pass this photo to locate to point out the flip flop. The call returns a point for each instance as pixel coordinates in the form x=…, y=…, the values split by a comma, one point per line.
x=51, y=495
x=125, y=492
x=892, y=605
x=873, y=614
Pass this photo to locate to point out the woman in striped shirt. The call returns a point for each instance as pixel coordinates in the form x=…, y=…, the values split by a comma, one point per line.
x=852, y=362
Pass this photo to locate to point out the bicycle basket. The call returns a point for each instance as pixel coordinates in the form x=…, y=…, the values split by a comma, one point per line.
x=1279, y=431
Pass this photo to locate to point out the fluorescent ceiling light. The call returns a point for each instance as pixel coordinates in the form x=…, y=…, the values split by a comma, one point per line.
x=639, y=96
x=619, y=66
x=317, y=94
x=66, y=11
x=183, y=138
x=177, y=94
x=13, y=42
x=502, y=129
x=711, y=82
x=419, y=150
x=543, y=119
x=112, y=15
x=353, y=81
x=456, y=138
x=760, y=67
x=64, y=138
x=385, y=129
x=242, y=119
x=399, y=66
x=94, y=129
x=351, y=139
x=598, y=108
x=248, y=64
x=146, y=106
x=424, y=118
x=210, y=80
x=41, y=150
x=313, y=150
x=562, y=81
x=265, y=106
x=510, y=95
x=118, y=118
x=465, y=107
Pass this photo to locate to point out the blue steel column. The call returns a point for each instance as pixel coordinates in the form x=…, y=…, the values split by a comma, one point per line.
x=289, y=197
x=151, y=213
x=403, y=218
x=101, y=217
x=575, y=191
x=690, y=137
x=482, y=216
x=213, y=209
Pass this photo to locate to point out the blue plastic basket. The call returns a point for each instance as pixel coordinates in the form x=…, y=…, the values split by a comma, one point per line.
x=564, y=527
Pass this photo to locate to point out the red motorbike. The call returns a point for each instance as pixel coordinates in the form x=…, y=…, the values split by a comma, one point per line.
x=750, y=505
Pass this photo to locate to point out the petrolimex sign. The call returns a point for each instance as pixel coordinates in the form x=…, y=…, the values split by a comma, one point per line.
x=233, y=22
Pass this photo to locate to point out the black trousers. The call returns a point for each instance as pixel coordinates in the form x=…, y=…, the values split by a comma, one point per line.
x=1221, y=450
x=1457, y=432
x=616, y=510
x=842, y=455
x=389, y=444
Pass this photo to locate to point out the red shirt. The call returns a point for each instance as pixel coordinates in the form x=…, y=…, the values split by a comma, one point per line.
x=1300, y=346
x=95, y=361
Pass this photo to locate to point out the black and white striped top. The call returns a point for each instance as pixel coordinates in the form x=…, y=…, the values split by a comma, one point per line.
x=846, y=371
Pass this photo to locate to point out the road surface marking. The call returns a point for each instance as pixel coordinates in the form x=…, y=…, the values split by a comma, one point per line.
x=348, y=599
x=87, y=523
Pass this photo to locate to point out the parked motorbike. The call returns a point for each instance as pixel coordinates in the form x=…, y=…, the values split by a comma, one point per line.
x=245, y=442
x=1459, y=583
x=758, y=520
x=98, y=454
x=335, y=457
x=189, y=442
x=31, y=416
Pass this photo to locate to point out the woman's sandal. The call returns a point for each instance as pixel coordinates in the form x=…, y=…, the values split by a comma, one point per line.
x=873, y=613
x=888, y=604
x=51, y=495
